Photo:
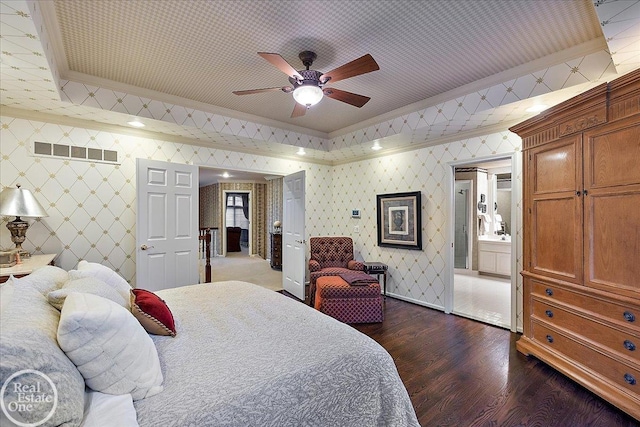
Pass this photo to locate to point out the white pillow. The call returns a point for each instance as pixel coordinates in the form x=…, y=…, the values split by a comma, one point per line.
x=28, y=329
x=89, y=285
x=99, y=407
x=104, y=273
x=112, y=351
x=44, y=279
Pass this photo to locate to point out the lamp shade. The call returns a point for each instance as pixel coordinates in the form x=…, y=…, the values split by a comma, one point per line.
x=19, y=202
x=307, y=94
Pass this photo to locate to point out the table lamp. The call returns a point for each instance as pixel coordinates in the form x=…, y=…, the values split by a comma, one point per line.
x=18, y=202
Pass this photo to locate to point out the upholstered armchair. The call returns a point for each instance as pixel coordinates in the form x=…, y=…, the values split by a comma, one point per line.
x=330, y=256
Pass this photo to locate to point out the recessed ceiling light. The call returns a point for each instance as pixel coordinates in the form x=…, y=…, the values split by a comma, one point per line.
x=376, y=146
x=301, y=152
x=536, y=108
x=226, y=175
x=136, y=124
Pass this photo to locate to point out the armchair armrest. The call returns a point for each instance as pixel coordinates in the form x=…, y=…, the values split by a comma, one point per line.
x=314, y=265
x=355, y=265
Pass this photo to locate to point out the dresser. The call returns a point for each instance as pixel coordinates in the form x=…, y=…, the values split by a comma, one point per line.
x=276, y=251
x=581, y=266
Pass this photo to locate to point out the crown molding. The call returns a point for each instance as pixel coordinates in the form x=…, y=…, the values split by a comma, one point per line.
x=488, y=130
x=100, y=82
x=50, y=22
x=90, y=124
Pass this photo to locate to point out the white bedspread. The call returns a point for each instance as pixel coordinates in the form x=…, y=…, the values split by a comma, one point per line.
x=246, y=356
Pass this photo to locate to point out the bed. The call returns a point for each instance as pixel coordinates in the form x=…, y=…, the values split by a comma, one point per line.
x=243, y=356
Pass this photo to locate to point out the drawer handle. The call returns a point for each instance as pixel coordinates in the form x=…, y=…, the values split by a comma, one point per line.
x=549, y=338
x=629, y=345
x=629, y=317
x=549, y=313
x=549, y=292
x=629, y=379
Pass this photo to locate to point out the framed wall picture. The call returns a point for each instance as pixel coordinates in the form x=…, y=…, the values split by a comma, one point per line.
x=400, y=220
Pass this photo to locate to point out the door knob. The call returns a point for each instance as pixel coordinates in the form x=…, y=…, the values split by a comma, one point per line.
x=145, y=247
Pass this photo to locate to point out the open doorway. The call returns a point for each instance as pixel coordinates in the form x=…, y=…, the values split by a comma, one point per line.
x=237, y=223
x=264, y=206
x=482, y=280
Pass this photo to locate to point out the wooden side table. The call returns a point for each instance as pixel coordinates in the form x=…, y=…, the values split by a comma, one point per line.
x=276, y=251
x=377, y=268
x=26, y=267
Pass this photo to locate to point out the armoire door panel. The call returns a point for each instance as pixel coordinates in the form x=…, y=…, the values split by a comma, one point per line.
x=556, y=234
x=555, y=167
x=612, y=155
x=612, y=241
x=612, y=207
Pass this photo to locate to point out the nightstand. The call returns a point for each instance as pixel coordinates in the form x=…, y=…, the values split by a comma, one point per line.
x=26, y=267
x=377, y=268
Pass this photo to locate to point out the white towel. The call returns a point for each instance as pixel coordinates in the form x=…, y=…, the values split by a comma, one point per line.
x=498, y=226
x=484, y=223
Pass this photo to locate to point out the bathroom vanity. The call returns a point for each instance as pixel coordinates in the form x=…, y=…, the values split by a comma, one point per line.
x=494, y=255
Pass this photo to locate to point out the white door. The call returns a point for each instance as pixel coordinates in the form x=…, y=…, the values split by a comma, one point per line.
x=166, y=225
x=294, y=243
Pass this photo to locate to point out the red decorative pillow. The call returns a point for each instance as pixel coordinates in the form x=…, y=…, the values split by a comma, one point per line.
x=152, y=313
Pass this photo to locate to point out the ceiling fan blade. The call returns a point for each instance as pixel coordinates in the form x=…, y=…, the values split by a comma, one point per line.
x=282, y=65
x=285, y=89
x=364, y=64
x=348, y=97
x=298, y=110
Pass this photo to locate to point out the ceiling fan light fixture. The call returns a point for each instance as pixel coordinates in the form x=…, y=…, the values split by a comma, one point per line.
x=307, y=95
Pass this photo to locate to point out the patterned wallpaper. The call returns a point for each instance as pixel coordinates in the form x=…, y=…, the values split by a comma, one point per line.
x=208, y=205
x=417, y=276
x=274, y=207
x=92, y=206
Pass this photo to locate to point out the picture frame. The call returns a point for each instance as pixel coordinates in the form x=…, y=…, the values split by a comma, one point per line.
x=400, y=220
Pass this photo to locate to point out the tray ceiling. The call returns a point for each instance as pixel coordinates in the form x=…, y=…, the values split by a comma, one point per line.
x=172, y=55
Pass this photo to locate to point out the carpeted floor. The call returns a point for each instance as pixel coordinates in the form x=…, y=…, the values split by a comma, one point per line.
x=240, y=266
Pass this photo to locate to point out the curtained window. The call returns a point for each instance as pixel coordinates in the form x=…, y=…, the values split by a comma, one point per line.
x=237, y=210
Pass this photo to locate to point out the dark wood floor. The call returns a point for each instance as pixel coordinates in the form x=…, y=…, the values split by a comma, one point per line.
x=459, y=372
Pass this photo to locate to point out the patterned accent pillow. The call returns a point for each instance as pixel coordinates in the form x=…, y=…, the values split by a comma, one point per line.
x=152, y=313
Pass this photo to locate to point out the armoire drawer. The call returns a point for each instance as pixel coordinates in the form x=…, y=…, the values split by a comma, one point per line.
x=623, y=342
x=624, y=376
x=624, y=314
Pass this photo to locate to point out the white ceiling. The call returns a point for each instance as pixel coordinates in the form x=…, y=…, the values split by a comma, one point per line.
x=447, y=68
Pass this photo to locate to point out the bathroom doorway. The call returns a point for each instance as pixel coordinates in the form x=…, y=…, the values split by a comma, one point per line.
x=482, y=281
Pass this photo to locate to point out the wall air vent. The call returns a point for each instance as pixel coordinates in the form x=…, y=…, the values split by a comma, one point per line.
x=72, y=152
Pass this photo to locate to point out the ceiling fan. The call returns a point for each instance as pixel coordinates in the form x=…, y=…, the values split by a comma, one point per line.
x=308, y=85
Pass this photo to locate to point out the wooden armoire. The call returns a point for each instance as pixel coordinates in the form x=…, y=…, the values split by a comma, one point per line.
x=581, y=267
